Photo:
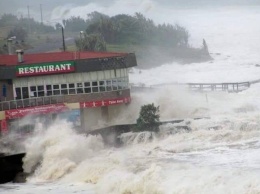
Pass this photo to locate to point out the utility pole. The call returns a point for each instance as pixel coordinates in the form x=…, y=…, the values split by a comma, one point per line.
x=41, y=13
x=29, y=26
x=63, y=40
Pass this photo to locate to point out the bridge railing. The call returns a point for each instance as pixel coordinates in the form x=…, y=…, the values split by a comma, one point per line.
x=229, y=87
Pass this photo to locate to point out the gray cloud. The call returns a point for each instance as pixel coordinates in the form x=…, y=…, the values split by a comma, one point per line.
x=19, y=7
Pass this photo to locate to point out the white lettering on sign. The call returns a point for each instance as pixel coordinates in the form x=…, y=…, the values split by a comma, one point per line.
x=63, y=66
x=44, y=69
x=21, y=71
x=51, y=68
x=57, y=68
x=68, y=66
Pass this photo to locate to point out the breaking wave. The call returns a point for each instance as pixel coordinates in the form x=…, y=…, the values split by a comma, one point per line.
x=57, y=150
x=149, y=163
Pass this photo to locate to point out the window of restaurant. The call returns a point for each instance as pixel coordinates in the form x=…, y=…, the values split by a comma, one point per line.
x=87, y=87
x=92, y=82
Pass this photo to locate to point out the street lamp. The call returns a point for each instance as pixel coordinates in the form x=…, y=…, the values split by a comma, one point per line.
x=81, y=40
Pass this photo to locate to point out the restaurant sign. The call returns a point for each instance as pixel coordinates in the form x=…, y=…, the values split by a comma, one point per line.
x=45, y=68
x=46, y=109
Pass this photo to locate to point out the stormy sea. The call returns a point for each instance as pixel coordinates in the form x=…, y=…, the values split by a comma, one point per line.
x=219, y=154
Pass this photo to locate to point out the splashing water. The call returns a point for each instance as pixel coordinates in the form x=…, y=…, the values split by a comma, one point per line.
x=220, y=154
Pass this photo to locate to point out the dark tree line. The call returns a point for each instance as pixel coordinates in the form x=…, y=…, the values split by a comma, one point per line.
x=137, y=29
x=20, y=27
x=126, y=29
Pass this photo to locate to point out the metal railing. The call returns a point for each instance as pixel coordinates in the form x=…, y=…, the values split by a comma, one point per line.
x=31, y=102
x=229, y=87
x=69, y=98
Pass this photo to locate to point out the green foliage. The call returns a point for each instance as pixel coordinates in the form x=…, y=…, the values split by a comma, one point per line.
x=125, y=29
x=74, y=24
x=8, y=20
x=148, y=118
x=92, y=42
x=28, y=25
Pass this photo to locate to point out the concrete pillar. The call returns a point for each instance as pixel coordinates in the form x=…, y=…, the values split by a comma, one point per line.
x=104, y=113
x=82, y=121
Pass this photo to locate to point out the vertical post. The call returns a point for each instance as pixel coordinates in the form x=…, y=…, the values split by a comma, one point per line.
x=81, y=40
x=82, y=120
x=41, y=14
x=10, y=46
x=63, y=40
x=29, y=26
x=104, y=113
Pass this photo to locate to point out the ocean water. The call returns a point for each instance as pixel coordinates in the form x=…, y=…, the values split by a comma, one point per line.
x=221, y=152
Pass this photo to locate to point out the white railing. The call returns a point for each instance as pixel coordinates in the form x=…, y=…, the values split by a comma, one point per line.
x=30, y=102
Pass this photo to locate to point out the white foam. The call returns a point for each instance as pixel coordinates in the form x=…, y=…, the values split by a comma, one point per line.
x=219, y=155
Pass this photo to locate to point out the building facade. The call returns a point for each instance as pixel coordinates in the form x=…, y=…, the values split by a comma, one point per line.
x=45, y=84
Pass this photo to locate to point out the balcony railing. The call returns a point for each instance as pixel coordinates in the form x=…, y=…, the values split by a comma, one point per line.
x=30, y=102
x=46, y=100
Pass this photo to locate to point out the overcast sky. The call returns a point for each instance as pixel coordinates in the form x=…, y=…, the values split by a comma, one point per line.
x=12, y=6
x=51, y=7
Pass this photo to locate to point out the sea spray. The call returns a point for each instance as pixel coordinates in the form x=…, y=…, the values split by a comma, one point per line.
x=137, y=137
x=123, y=181
x=57, y=150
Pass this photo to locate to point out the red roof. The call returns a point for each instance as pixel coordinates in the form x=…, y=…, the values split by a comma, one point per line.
x=55, y=57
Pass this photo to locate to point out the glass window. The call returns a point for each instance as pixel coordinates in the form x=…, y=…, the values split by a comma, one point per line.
x=56, y=92
x=95, y=86
x=49, y=93
x=25, y=93
x=64, y=91
x=87, y=90
x=33, y=92
x=87, y=87
x=41, y=93
x=40, y=88
x=114, y=84
x=109, y=85
x=87, y=84
x=55, y=87
x=102, y=87
x=48, y=87
x=33, y=88
x=125, y=83
x=72, y=91
x=71, y=85
x=119, y=83
x=101, y=83
x=79, y=85
x=95, y=89
x=95, y=83
x=18, y=93
x=63, y=86
x=79, y=90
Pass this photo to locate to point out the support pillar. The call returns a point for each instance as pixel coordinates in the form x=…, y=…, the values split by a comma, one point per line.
x=104, y=113
x=82, y=120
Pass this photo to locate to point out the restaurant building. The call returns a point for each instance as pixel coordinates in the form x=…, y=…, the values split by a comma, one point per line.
x=96, y=84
